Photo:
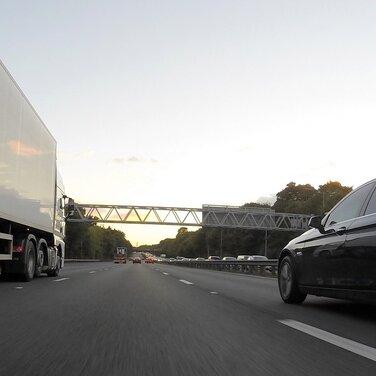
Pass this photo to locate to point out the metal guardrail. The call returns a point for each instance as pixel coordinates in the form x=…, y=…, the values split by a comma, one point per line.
x=268, y=268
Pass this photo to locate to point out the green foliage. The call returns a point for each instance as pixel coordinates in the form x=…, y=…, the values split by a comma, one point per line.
x=89, y=241
x=296, y=199
x=331, y=193
x=305, y=199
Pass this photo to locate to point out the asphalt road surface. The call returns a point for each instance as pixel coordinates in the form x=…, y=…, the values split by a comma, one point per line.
x=108, y=319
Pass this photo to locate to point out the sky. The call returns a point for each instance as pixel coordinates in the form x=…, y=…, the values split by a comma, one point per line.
x=184, y=103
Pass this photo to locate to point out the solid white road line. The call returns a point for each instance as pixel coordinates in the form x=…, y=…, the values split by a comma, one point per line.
x=344, y=343
x=186, y=282
x=59, y=280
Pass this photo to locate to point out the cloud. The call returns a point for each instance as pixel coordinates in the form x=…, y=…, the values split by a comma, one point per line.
x=132, y=159
x=86, y=155
x=245, y=149
x=271, y=199
x=118, y=161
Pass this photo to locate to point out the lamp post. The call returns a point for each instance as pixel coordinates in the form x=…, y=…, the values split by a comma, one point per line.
x=220, y=245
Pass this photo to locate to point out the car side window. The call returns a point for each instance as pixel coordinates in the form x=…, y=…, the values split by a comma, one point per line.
x=351, y=206
x=371, y=207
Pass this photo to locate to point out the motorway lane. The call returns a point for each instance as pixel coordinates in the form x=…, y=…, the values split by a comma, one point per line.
x=347, y=319
x=136, y=320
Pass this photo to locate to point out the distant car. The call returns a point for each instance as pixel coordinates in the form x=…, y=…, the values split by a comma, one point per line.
x=171, y=259
x=136, y=260
x=258, y=258
x=336, y=257
x=227, y=258
x=243, y=257
x=149, y=260
x=199, y=259
x=214, y=258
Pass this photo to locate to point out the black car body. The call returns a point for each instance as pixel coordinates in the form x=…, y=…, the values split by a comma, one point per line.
x=337, y=256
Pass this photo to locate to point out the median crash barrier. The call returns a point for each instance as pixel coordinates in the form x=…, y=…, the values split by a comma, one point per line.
x=267, y=268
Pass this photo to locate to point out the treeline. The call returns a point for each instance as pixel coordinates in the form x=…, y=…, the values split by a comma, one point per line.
x=89, y=241
x=294, y=198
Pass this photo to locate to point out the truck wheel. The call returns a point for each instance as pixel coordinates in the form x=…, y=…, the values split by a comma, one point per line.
x=288, y=282
x=29, y=265
x=55, y=272
x=39, y=265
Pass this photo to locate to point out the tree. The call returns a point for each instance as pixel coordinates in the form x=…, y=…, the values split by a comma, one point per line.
x=256, y=205
x=331, y=193
x=295, y=199
x=181, y=231
x=87, y=240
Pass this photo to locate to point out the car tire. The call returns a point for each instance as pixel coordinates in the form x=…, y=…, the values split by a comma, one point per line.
x=288, y=282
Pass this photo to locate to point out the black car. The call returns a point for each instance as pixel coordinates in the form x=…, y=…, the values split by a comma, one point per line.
x=337, y=256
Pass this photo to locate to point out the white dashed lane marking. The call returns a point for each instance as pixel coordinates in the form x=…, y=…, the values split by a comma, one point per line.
x=59, y=280
x=344, y=343
x=186, y=282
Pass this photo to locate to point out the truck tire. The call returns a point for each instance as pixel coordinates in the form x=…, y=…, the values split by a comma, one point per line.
x=39, y=265
x=288, y=282
x=29, y=263
x=55, y=272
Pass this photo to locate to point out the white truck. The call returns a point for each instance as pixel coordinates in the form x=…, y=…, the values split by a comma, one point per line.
x=33, y=206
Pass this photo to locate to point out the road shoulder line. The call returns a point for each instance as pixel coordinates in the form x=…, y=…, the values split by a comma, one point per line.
x=344, y=343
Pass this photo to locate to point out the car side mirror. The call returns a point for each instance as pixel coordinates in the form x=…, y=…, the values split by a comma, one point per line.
x=70, y=206
x=315, y=222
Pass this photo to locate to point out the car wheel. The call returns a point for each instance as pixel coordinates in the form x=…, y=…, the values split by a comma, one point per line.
x=288, y=282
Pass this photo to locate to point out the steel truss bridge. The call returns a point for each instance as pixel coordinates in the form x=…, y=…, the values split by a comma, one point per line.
x=207, y=216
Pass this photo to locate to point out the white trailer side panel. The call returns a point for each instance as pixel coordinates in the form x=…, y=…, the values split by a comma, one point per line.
x=27, y=160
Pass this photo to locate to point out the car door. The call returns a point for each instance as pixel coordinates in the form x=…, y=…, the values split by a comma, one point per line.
x=325, y=261
x=360, y=249
x=319, y=255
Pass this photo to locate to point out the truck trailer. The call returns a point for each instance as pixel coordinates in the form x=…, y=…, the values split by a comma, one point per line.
x=120, y=255
x=33, y=205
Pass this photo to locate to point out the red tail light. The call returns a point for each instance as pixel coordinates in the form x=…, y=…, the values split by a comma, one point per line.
x=18, y=249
